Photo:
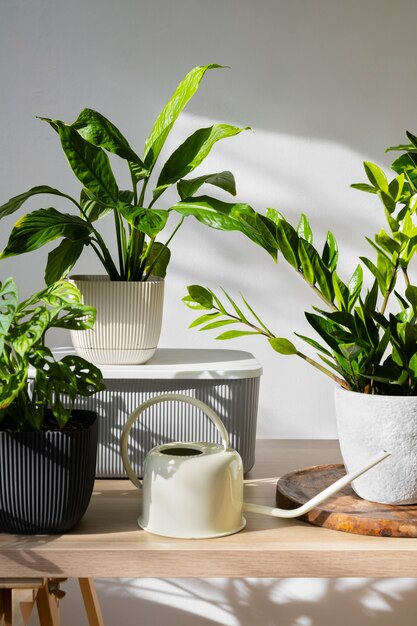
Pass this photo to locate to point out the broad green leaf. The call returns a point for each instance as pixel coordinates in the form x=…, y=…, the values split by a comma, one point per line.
x=364, y=187
x=232, y=334
x=412, y=138
x=227, y=216
x=201, y=295
x=326, y=329
x=407, y=164
x=148, y=221
x=282, y=345
x=304, y=229
x=376, y=176
x=38, y=228
x=89, y=163
x=275, y=216
x=62, y=259
x=98, y=130
x=192, y=152
x=225, y=180
x=92, y=208
x=166, y=119
x=157, y=260
x=16, y=202
x=324, y=279
x=88, y=377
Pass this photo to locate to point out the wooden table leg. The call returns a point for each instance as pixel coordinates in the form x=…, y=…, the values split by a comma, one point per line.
x=91, y=602
x=48, y=607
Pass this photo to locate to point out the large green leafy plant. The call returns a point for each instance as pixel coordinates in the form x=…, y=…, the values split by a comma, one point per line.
x=138, y=220
x=367, y=337
x=25, y=397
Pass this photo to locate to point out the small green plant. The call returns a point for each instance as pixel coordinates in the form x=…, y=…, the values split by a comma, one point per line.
x=24, y=402
x=367, y=337
x=86, y=144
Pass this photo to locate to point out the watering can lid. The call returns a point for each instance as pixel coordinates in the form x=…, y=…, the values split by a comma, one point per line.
x=184, y=363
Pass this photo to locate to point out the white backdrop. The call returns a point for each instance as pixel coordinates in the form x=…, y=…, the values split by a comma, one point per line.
x=324, y=85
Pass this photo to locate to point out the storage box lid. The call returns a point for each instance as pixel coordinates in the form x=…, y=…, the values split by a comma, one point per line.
x=184, y=363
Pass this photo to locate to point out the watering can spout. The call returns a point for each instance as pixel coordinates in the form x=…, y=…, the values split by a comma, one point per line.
x=319, y=498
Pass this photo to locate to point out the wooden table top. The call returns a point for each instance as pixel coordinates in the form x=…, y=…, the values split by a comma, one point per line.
x=108, y=542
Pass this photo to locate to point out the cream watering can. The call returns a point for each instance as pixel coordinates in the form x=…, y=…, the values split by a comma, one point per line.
x=195, y=490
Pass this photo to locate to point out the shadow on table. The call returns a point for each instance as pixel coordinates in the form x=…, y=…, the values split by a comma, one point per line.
x=249, y=602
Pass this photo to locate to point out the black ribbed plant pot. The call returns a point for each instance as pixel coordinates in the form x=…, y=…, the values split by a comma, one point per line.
x=47, y=478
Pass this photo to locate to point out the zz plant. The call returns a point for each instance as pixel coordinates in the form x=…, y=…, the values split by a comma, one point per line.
x=24, y=403
x=367, y=338
x=138, y=220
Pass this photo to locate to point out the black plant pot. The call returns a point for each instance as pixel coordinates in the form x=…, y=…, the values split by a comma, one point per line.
x=47, y=478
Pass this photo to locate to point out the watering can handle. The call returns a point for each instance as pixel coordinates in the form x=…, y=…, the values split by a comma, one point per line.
x=168, y=397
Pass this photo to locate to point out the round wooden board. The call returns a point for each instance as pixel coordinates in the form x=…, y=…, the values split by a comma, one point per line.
x=344, y=511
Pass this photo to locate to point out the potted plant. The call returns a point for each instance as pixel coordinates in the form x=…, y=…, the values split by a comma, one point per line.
x=47, y=450
x=129, y=297
x=367, y=337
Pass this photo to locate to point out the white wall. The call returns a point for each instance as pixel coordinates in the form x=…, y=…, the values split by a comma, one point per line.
x=324, y=85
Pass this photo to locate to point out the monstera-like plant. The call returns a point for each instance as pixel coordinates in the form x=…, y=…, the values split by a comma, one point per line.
x=139, y=219
x=48, y=450
x=366, y=338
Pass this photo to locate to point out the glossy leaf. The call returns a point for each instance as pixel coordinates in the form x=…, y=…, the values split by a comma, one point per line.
x=364, y=187
x=16, y=202
x=148, y=221
x=282, y=345
x=8, y=307
x=201, y=295
x=306, y=255
x=226, y=216
x=192, y=152
x=304, y=229
x=62, y=259
x=98, y=130
x=204, y=319
x=89, y=163
x=38, y=228
x=169, y=114
x=376, y=176
x=288, y=242
x=330, y=252
x=224, y=180
x=92, y=208
x=157, y=260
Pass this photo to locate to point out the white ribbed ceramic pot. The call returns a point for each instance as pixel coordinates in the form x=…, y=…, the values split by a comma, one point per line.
x=128, y=321
x=368, y=423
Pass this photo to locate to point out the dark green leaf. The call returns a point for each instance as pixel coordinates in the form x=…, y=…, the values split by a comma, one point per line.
x=35, y=229
x=62, y=259
x=411, y=295
x=8, y=307
x=227, y=216
x=225, y=180
x=288, y=242
x=166, y=119
x=92, y=208
x=16, y=202
x=330, y=252
x=341, y=292
x=157, y=260
x=98, y=130
x=90, y=164
x=192, y=152
x=148, y=221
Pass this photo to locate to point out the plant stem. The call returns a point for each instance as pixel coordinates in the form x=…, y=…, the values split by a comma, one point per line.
x=324, y=370
x=119, y=238
x=163, y=248
x=318, y=292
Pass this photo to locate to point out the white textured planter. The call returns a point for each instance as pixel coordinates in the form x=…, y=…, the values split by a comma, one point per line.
x=369, y=423
x=128, y=322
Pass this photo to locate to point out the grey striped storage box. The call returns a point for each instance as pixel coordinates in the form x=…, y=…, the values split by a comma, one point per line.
x=226, y=380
